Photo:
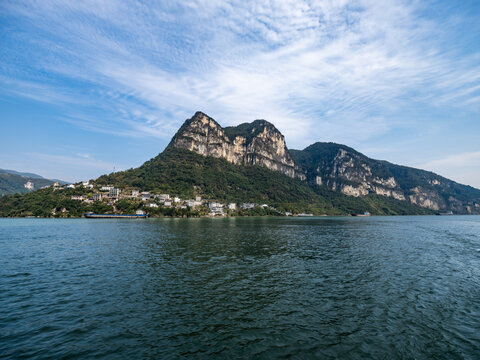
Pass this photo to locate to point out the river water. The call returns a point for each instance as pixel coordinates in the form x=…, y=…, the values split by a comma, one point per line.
x=263, y=288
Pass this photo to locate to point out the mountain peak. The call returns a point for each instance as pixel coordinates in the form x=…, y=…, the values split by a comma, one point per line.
x=255, y=143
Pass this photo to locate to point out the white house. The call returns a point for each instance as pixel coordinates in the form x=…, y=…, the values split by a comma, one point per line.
x=163, y=197
x=247, y=206
x=87, y=184
x=114, y=193
x=232, y=206
x=153, y=205
x=216, y=211
x=146, y=196
x=28, y=185
x=214, y=204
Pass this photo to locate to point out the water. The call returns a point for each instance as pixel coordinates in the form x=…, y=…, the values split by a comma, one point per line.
x=263, y=288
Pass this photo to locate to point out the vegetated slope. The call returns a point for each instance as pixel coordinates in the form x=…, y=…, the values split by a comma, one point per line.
x=11, y=183
x=44, y=202
x=344, y=169
x=185, y=173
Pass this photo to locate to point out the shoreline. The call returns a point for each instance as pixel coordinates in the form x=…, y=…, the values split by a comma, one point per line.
x=221, y=217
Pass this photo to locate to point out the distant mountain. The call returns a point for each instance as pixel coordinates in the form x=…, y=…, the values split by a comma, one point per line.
x=24, y=174
x=12, y=182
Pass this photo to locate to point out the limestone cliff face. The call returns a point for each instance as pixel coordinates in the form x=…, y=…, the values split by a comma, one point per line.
x=343, y=169
x=347, y=173
x=257, y=143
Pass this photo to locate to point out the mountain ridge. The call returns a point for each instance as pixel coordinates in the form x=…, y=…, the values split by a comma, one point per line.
x=251, y=163
x=344, y=169
x=339, y=167
x=12, y=181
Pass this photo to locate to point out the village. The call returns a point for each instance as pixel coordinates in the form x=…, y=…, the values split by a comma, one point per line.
x=149, y=202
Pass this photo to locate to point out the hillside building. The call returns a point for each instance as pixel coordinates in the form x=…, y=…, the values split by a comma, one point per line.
x=114, y=193
x=29, y=185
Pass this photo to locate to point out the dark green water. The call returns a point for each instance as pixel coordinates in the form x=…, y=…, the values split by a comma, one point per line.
x=263, y=288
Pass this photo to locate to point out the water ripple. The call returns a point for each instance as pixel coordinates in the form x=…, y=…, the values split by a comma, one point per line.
x=264, y=288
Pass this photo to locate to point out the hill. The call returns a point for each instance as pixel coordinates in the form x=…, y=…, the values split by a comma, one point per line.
x=12, y=182
x=186, y=174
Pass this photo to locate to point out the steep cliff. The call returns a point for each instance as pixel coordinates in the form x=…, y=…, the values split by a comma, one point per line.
x=338, y=167
x=256, y=143
x=343, y=169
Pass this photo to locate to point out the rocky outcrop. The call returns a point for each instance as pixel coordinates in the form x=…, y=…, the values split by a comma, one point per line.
x=426, y=198
x=256, y=143
x=346, y=171
x=343, y=169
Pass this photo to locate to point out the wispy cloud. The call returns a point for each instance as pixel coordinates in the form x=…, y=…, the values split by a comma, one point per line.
x=330, y=70
x=285, y=61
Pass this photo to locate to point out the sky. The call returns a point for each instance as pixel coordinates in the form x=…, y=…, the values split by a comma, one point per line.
x=87, y=87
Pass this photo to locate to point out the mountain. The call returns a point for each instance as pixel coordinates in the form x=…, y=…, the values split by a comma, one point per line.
x=256, y=143
x=338, y=167
x=341, y=168
x=24, y=174
x=186, y=174
x=12, y=182
x=251, y=163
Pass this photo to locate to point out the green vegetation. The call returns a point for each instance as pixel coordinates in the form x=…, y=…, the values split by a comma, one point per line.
x=46, y=203
x=247, y=130
x=322, y=155
x=186, y=174
x=14, y=183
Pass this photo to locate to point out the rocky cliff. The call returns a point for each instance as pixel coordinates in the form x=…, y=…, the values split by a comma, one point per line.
x=338, y=167
x=343, y=169
x=256, y=143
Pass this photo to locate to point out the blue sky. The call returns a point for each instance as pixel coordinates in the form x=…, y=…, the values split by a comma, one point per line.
x=87, y=86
